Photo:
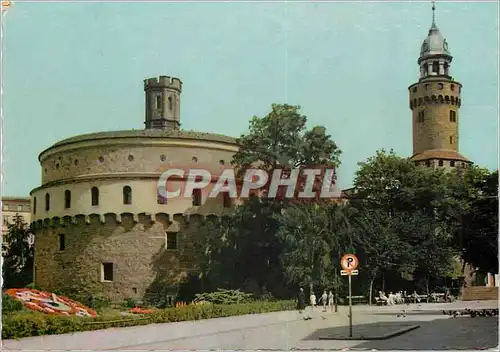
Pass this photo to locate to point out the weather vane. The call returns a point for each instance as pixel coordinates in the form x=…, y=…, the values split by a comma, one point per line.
x=433, y=10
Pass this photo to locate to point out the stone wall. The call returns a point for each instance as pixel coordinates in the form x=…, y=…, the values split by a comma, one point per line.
x=435, y=97
x=134, y=243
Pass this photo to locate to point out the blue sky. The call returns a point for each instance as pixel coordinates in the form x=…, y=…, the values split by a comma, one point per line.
x=73, y=68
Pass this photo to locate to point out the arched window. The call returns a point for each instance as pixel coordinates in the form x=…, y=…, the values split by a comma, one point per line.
x=34, y=205
x=127, y=195
x=226, y=200
x=67, y=199
x=196, y=197
x=170, y=103
x=435, y=67
x=47, y=202
x=95, y=195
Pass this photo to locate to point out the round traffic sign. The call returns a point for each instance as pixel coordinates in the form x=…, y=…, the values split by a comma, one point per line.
x=349, y=262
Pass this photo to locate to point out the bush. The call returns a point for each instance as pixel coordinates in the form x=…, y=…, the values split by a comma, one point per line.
x=129, y=303
x=36, y=324
x=10, y=304
x=222, y=296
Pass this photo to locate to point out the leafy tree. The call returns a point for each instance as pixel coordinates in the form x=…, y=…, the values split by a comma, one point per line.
x=18, y=260
x=381, y=247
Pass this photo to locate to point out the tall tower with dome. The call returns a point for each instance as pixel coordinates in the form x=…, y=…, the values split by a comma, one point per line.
x=435, y=102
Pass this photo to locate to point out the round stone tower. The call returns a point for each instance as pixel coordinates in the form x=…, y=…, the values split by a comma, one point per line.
x=435, y=101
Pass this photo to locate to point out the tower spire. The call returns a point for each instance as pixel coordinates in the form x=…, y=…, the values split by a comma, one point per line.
x=433, y=14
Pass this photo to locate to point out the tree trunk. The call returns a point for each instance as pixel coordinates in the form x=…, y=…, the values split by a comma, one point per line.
x=371, y=292
x=383, y=282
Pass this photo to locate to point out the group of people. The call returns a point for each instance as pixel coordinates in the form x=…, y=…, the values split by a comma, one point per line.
x=326, y=299
x=392, y=298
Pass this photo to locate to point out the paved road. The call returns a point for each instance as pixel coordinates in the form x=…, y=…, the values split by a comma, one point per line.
x=285, y=330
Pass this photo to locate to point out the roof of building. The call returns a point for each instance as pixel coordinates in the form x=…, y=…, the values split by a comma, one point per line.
x=15, y=199
x=439, y=154
x=145, y=133
x=435, y=43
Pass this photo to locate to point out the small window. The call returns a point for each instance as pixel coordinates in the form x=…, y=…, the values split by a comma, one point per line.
x=158, y=101
x=67, y=199
x=226, y=200
x=451, y=139
x=34, y=205
x=163, y=157
x=427, y=163
x=435, y=67
x=452, y=86
x=453, y=116
x=76, y=161
x=197, y=197
x=57, y=166
x=127, y=195
x=452, y=163
x=95, y=195
x=414, y=89
x=62, y=242
x=107, y=271
x=440, y=85
x=47, y=202
x=421, y=116
x=130, y=158
x=440, y=162
x=161, y=199
x=194, y=159
x=101, y=159
x=134, y=290
x=171, y=240
x=222, y=162
x=170, y=103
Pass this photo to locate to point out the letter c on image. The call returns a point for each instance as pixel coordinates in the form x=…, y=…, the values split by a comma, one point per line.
x=162, y=183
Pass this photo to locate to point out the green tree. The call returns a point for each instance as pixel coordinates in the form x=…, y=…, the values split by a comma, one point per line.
x=279, y=140
x=18, y=260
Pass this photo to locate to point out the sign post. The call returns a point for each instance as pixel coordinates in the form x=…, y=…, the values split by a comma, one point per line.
x=349, y=263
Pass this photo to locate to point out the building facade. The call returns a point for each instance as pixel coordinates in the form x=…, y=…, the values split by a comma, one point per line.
x=101, y=226
x=435, y=102
x=12, y=207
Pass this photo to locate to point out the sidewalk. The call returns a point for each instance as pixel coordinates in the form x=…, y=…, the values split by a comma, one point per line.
x=115, y=338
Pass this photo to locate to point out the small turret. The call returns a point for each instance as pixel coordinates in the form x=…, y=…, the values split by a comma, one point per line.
x=163, y=103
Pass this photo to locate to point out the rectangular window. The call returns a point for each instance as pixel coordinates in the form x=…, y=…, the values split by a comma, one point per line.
x=67, y=199
x=62, y=242
x=107, y=271
x=19, y=208
x=158, y=101
x=435, y=67
x=171, y=240
x=453, y=116
x=451, y=139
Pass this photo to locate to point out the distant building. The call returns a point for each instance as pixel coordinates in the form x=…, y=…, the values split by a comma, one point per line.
x=12, y=206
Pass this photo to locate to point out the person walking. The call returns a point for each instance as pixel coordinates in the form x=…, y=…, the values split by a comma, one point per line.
x=330, y=301
x=312, y=300
x=301, y=300
x=324, y=300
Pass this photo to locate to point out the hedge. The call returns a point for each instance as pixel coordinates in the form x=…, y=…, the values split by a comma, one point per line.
x=19, y=325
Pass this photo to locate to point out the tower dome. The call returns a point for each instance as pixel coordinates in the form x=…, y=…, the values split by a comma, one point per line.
x=434, y=44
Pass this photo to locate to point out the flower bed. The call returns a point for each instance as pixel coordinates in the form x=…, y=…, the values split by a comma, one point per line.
x=27, y=324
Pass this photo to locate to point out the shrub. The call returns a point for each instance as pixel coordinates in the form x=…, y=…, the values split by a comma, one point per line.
x=222, y=296
x=10, y=304
x=129, y=303
x=35, y=324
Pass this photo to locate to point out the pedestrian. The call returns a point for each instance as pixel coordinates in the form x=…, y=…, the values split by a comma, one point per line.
x=312, y=300
x=301, y=301
x=330, y=300
x=324, y=300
